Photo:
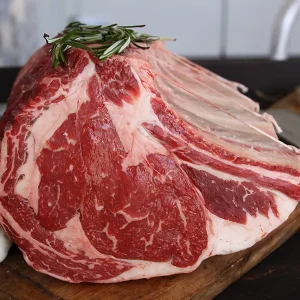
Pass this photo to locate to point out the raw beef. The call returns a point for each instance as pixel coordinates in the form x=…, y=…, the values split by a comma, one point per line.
x=139, y=166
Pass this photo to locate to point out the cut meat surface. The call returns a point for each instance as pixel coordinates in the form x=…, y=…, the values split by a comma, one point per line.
x=140, y=166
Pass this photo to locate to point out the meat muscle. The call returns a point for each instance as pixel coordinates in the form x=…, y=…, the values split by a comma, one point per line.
x=139, y=166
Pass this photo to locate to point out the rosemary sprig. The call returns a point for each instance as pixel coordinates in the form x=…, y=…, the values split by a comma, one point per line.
x=102, y=41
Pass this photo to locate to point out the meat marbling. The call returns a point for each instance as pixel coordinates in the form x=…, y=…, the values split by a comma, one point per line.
x=139, y=166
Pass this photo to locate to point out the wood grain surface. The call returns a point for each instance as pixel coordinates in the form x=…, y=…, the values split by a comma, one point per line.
x=290, y=102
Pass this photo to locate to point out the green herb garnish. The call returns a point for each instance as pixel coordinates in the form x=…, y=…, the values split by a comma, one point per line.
x=107, y=40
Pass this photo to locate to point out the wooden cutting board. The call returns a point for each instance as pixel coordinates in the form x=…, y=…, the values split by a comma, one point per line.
x=18, y=281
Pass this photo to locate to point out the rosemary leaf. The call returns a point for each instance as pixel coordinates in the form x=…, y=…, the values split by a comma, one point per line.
x=101, y=41
x=78, y=45
x=125, y=45
x=112, y=47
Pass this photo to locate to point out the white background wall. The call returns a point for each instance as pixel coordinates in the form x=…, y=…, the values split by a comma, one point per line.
x=195, y=23
x=206, y=28
x=250, y=25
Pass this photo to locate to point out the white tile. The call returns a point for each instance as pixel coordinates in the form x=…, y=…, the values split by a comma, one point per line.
x=195, y=23
x=250, y=25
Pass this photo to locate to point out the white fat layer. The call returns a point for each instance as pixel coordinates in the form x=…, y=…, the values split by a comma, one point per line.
x=257, y=169
x=228, y=237
x=128, y=121
x=150, y=269
x=226, y=176
x=154, y=269
x=271, y=174
x=219, y=174
x=44, y=128
x=5, y=244
x=130, y=219
x=182, y=216
x=75, y=240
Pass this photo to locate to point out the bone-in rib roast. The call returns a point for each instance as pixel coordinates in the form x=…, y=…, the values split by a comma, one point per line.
x=141, y=165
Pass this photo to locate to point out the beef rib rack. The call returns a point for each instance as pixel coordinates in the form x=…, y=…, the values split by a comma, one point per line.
x=139, y=166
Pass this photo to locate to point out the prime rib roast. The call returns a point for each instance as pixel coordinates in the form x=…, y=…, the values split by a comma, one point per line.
x=142, y=165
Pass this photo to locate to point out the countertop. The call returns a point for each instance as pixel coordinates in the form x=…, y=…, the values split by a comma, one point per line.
x=276, y=277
